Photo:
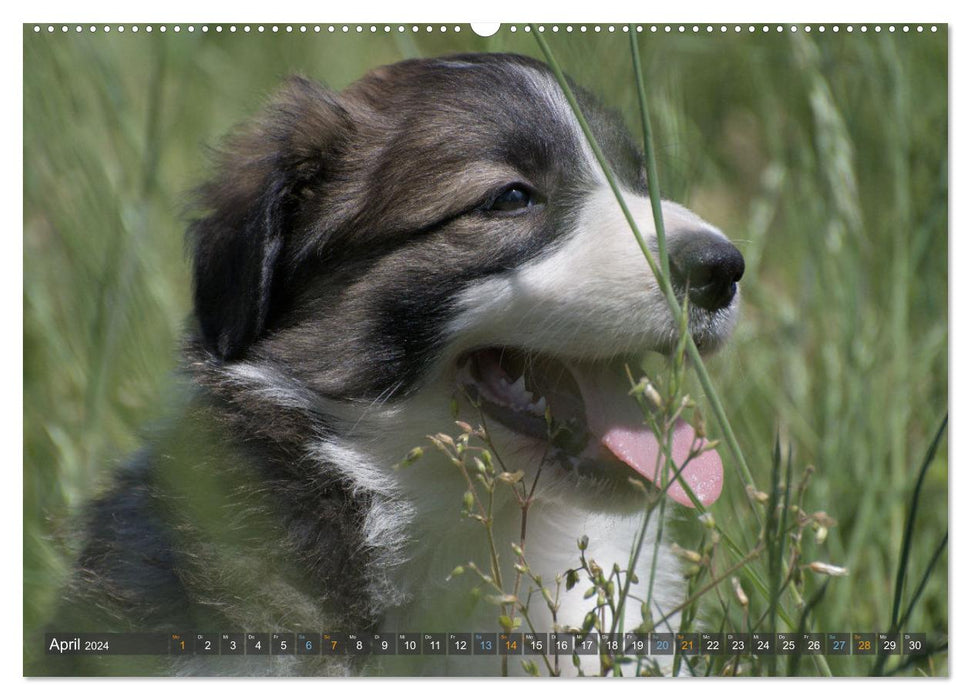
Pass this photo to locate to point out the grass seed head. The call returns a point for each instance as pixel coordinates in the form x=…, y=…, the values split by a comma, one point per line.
x=739, y=592
x=686, y=554
x=443, y=439
x=820, y=567
x=821, y=533
x=511, y=477
x=756, y=495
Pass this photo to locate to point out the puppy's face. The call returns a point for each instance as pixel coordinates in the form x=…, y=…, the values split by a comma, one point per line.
x=445, y=221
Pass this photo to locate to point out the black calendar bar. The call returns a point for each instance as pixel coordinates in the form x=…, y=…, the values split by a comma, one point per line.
x=478, y=643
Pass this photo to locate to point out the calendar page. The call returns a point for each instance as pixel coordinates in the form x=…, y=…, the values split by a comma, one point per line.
x=558, y=350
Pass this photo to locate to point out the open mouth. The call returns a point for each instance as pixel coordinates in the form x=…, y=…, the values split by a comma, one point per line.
x=585, y=412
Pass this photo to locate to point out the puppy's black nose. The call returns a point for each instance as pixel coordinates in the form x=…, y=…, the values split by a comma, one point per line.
x=707, y=266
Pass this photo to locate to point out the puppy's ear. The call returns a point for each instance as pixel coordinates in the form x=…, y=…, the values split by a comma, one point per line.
x=263, y=175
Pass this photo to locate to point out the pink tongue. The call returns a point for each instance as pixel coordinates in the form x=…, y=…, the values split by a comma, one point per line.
x=615, y=418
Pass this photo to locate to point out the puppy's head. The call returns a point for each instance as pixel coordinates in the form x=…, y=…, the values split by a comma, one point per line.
x=446, y=220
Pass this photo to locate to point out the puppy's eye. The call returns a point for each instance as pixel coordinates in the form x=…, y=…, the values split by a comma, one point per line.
x=514, y=197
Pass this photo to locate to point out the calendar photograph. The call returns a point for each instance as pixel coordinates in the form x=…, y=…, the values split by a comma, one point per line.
x=449, y=350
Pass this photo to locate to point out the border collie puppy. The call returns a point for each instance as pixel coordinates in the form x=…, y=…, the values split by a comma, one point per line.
x=435, y=242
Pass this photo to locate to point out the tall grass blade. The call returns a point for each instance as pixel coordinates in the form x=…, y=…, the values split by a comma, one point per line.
x=928, y=570
x=923, y=582
x=908, y=536
x=909, y=528
x=774, y=543
x=801, y=628
x=665, y=284
x=653, y=183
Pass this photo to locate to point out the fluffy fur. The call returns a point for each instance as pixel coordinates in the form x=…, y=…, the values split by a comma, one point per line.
x=349, y=252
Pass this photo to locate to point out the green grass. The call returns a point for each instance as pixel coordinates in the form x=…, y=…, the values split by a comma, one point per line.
x=824, y=157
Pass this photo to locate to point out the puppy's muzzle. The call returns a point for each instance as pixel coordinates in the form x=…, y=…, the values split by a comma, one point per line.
x=708, y=267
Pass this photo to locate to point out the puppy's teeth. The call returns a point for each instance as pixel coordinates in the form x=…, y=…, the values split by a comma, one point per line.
x=520, y=385
x=537, y=408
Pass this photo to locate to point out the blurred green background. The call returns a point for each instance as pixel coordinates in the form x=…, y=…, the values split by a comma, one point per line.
x=822, y=155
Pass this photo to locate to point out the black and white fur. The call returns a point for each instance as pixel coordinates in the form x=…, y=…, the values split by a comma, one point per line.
x=348, y=253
